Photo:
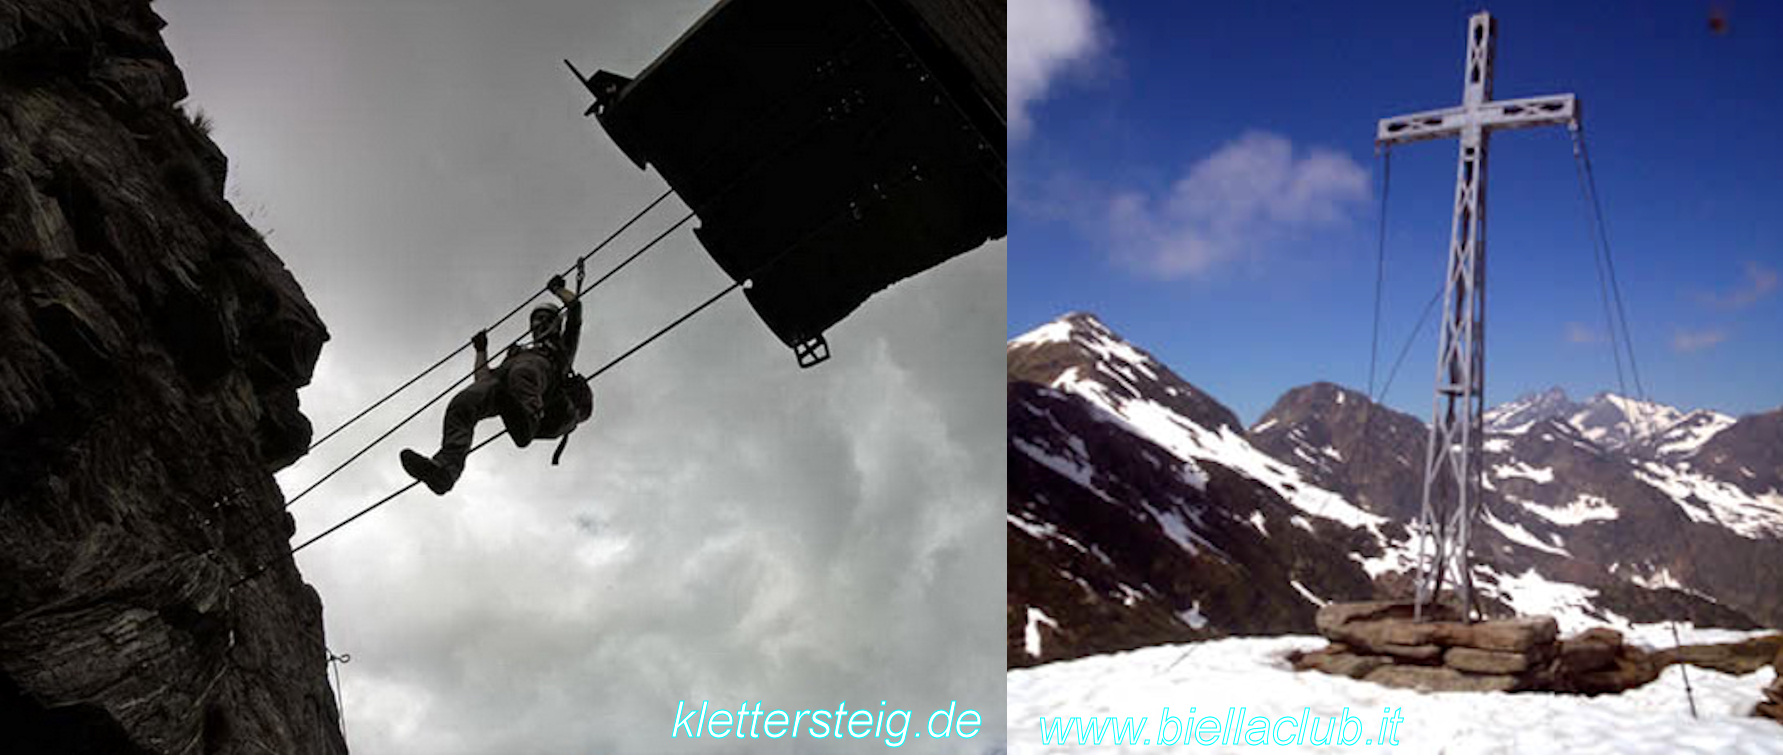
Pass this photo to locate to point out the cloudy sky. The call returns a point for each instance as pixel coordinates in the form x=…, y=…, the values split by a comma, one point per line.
x=1201, y=175
x=729, y=528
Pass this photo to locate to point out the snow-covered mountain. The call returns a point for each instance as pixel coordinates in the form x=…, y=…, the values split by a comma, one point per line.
x=1141, y=511
x=1526, y=410
x=1613, y=422
x=1684, y=437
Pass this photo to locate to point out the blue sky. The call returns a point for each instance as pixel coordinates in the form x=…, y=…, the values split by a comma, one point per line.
x=1202, y=176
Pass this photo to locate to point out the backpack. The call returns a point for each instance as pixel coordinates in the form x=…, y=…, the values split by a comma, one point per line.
x=571, y=403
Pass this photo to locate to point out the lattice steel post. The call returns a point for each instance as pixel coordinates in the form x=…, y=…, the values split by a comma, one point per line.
x=1452, y=474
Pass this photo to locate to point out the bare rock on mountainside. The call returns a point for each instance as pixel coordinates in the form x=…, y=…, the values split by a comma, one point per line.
x=151, y=348
x=1117, y=543
x=1140, y=512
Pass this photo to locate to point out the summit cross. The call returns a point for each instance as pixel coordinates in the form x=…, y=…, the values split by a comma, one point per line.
x=1452, y=473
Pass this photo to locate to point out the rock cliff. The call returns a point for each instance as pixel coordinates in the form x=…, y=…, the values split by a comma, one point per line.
x=151, y=348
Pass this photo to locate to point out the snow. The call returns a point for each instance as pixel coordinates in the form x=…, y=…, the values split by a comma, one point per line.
x=1661, y=579
x=1684, y=438
x=1316, y=601
x=1044, y=531
x=1573, y=606
x=1179, y=531
x=1395, y=557
x=1053, y=332
x=1078, y=469
x=1252, y=673
x=1189, y=441
x=1193, y=617
x=1706, y=499
x=1583, y=508
x=1497, y=445
x=1654, y=635
x=1644, y=418
x=1032, y=639
x=1100, y=555
x=1331, y=451
x=1121, y=354
x=1517, y=533
x=1520, y=469
x=1193, y=475
x=1516, y=430
x=1257, y=522
x=1129, y=596
x=1265, y=425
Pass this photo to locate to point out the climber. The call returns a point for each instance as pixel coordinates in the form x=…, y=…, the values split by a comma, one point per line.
x=535, y=391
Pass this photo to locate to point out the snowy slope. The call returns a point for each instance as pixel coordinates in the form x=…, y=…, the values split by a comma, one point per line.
x=1114, y=456
x=1253, y=673
x=1517, y=415
x=1138, y=514
x=1126, y=383
x=1617, y=525
x=1682, y=439
x=1615, y=421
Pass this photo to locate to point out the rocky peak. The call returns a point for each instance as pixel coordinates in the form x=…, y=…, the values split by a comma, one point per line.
x=1348, y=444
x=1079, y=352
x=1748, y=453
x=1518, y=413
x=1611, y=421
x=151, y=348
x=1614, y=421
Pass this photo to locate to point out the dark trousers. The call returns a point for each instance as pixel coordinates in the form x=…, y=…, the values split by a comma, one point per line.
x=521, y=378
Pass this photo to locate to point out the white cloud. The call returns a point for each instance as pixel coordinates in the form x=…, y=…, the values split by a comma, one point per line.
x=1234, y=204
x=1760, y=283
x=1579, y=333
x=1045, y=36
x=1693, y=341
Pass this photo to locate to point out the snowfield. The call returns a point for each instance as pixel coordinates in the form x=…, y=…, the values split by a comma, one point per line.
x=1253, y=673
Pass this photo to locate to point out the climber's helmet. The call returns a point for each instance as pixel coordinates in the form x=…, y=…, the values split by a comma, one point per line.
x=544, y=320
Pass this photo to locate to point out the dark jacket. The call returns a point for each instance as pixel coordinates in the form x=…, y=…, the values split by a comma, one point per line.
x=567, y=401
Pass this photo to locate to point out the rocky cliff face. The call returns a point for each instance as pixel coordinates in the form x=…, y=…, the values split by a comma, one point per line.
x=151, y=347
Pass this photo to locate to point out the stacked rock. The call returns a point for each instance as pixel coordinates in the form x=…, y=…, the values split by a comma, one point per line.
x=1599, y=661
x=1378, y=641
x=1772, y=705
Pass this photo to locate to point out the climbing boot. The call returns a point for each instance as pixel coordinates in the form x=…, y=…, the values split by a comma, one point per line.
x=521, y=424
x=438, y=479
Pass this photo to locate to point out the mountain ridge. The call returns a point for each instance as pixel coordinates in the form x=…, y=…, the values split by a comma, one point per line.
x=1572, y=524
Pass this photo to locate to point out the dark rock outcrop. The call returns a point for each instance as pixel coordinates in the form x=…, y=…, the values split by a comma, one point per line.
x=151, y=347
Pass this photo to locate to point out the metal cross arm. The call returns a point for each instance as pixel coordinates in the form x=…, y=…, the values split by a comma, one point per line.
x=1551, y=110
